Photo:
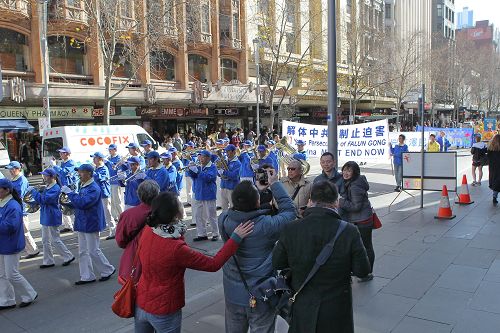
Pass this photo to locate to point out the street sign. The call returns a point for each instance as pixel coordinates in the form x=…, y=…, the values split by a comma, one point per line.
x=43, y=124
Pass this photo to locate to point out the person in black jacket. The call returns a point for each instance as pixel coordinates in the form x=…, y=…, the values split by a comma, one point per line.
x=479, y=159
x=494, y=166
x=325, y=303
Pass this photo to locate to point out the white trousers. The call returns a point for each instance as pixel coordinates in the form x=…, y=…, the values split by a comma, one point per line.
x=225, y=197
x=88, y=252
x=31, y=247
x=246, y=178
x=68, y=221
x=106, y=204
x=189, y=190
x=205, y=211
x=12, y=282
x=218, y=195
x=117, y=194
x=50, y=236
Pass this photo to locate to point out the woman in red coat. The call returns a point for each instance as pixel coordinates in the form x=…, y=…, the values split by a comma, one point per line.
x=164, y=256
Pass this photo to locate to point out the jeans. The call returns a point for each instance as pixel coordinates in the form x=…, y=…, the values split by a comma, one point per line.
x=148, y=323
x=495, y=194
x=398, y=173
x=261, y=319
x=366, y=238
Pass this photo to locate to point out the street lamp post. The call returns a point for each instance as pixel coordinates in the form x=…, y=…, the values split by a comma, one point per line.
x=332, y=80
x=42, y=9
x=256, y=48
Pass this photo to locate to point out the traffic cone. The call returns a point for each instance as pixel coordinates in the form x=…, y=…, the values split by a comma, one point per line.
x=464, y=196
x=444, y=212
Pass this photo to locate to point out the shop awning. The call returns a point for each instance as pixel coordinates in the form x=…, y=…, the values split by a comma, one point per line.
x=8, y=125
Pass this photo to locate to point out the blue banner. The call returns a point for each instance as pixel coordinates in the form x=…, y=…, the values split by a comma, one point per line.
x=459, y=137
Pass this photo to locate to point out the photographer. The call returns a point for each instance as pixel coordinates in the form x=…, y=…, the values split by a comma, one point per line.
x=252, y=262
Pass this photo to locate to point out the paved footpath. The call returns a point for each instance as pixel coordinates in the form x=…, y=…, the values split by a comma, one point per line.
x=430, y=276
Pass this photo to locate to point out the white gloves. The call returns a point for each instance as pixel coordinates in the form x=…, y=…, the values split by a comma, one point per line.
x=65, y=189
x=193, y=168
x=121, y=175
x=220, y=172
x=255, y=166
x=53, y=162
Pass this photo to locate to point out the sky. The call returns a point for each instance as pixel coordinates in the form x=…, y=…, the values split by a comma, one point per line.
x=483, y=9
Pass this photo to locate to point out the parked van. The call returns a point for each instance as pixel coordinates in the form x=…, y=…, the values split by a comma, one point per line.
x=86, y=140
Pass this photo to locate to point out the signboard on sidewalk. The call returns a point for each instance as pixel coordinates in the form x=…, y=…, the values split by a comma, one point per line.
x=459, y=137
x=439, y=169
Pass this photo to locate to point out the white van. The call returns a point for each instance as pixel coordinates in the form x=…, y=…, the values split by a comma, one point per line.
x=4, y=160
x=86, y=140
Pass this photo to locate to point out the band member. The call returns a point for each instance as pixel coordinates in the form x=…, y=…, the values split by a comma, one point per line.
x=189, y=148
x=135, y=151
x=171, y=173
x=20, y=184
x=148, y=146
x=101, y=177
x=157, y=171
x=219, y=145
x=301, y=150
x=11, y=245
x=229, y=178
x=245, y=158
x=263, y=157
x=131, y=176
x=89, y=221
x=273, y=155
x=67, y=176
x=179, y=166
x=51, y=219
x=117, y=191
x=205, y=191
x=297, y=186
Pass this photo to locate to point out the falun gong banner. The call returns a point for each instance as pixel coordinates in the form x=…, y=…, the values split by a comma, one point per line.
x=359, y=142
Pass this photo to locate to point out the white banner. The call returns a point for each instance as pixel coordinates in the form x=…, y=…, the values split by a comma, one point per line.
x=360, y=142
x=413, y=140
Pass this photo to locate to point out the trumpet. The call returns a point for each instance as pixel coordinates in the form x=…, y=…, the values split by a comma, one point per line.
x=221, y=162
x=30, y=202
x=121, y=162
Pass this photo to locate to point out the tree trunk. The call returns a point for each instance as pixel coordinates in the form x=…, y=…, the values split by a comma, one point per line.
x=107, y=101
x=271, y=108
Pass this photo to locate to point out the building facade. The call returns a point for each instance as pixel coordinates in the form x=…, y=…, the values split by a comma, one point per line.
x=465, y=18
x=443, y=20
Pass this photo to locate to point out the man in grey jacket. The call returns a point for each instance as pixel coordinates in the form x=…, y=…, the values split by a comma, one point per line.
x=254, y=256
x=329, y=172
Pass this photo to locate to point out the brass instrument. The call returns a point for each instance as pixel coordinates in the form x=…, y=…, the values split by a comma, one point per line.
x=288, y=153
x=221, y=162
x=122, y=161
x=65, y=202
x=214, y=136
x=32, y=205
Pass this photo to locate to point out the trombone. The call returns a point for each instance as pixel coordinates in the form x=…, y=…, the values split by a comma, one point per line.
x=122, y=161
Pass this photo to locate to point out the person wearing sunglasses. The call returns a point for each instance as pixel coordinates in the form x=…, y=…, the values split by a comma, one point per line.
x=296, y=185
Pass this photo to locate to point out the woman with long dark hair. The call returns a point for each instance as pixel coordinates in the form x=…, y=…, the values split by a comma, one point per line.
x=494, y=166
x=11, y=244
x=164, y=257
x=356, y=208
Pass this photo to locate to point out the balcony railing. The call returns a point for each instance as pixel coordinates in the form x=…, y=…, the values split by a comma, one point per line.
x=71, y=78
x=170, y=31
x=206, y=38
x=127, y=23
x=20, y=6
x=69, y=13
x=26, y=76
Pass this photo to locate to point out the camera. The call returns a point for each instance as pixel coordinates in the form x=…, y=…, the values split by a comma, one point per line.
x=261, y=176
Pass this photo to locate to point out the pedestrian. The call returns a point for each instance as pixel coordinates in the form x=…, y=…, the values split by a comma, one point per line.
x=494, y=166
x=443, y=142
x=325, y=303
x=51, y=219
x=297, y=186
x=102, y=178
x=479, y=152
x=433, y=146
x=252, y=263
x=329, y=171
x=397, y=155
x=11, y=245
x=130, y=228
x=89, y=221
x=160, y=291
x=355, y=208
x=20, y=184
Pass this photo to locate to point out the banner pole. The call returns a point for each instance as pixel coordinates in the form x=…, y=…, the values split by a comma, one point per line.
x=422, y=105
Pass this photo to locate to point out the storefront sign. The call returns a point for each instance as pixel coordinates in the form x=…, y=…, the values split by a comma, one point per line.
x=235, y=94
x=172, y=112
x=360, y=142
x=227, y=112
x=320, y=114
x=302, y=114
x=56, y=112
x=99, y=112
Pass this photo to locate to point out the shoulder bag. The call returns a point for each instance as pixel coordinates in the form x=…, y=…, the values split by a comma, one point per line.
x=124, y=299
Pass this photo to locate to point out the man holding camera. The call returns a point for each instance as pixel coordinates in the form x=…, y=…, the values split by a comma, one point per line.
x=252, y=263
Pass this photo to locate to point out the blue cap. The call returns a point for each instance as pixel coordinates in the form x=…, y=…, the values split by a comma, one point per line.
x=64, y=150
x=5, y=183
x=189, y=144
x=219, y=142
x=226, y=140
x=134, y=159
x=299, y=156
x=261, y=148
x=113, y=146
x=166, y=155
x=230, y=147
x=205, y=153
x=98, y=154
x=247, y=143
x=85, y=167
x=132, y=145
x=271, y=142
x=13, y=165
x=172, y=150
x=301, y=142
x=153, y=154
x=48, y=172
x=146, y=143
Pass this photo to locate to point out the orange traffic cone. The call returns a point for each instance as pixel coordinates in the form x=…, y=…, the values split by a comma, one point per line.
x=464, y=196
x=444, y=212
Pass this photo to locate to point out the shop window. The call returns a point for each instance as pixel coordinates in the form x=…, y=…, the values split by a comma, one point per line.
x=198, y=68
x=229, y=69
x=126, y=8
x=123, y=66
x=162, y=66
x=13, y=50
x=66, y=55
x=224, y=29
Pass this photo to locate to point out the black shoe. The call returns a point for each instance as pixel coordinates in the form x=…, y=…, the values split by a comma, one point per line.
x=219, y=208
x=193, y=224
x=187, y=204
x=367, y=278
x=6, y=307
x=397, y=189
x=65, y=230
x=495, y=201
x=33, y=255
x=110, y=237
x=106, y=278
x=81, y=282
x=66, y=263
x=214, y=238
x=47, y=266
x=200, y=238
x=25, y=304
